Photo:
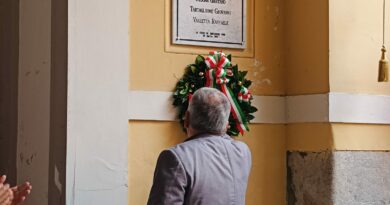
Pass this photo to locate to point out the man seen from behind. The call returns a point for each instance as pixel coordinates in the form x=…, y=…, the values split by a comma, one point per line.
x=209, y=168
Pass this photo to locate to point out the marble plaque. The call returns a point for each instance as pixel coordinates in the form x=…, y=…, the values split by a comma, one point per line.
x=213, y=23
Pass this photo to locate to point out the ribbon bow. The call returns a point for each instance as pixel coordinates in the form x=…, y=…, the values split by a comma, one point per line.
x=217, y=64
x=244, y=94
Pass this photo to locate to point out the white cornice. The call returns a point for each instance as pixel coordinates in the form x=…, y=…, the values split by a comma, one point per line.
x=359, y=108
x=331, y=107
x=156, y=105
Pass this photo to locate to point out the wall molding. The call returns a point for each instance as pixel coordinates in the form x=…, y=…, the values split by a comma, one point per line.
x=359, y=108
x=157, y=105
x=307, y=108
x=332, y=107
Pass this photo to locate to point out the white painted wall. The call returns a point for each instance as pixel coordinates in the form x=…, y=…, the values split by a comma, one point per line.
x=98, y=52
x=34, y=97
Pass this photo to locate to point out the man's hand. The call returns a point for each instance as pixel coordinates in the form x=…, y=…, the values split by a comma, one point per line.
x=6, y=195
x=15, y=195
x=20, y=193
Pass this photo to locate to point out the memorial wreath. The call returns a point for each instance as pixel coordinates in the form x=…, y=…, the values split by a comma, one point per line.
x=217, y=71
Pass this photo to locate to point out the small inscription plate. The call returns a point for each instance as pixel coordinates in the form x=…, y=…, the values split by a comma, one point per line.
x=214, y=23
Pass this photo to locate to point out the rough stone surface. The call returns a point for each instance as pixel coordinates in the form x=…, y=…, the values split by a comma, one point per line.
x=340, y=178
x=309, y=178
x=361, y=178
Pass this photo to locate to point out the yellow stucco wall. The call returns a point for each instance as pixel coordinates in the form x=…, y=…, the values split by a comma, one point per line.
x=267, y=180
x=337, y=136
x=355, y=43
x=146, y=141
x=306, y=46
x=333, y=46
x=355, y=37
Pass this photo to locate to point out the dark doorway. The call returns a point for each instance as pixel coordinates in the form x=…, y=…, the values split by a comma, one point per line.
x=9, y=58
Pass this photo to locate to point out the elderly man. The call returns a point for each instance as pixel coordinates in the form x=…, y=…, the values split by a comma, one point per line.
x=209, y=168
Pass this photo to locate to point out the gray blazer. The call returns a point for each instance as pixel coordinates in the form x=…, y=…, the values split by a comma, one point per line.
x=204, y=170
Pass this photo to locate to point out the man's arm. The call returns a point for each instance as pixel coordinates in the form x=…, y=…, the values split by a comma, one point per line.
x=169, y=182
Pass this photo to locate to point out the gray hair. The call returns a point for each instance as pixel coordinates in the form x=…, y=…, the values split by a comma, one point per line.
x=209, y=111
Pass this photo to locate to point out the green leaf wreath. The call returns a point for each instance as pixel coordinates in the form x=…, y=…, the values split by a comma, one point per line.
x=216, y=71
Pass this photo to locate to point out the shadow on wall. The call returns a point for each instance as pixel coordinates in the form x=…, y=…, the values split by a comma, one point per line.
x=58, y=102
x=338, y=177
x=309, y=172
x=309, y=177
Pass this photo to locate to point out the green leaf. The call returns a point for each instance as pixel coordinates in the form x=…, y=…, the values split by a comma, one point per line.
x=233, y=132
x=229, y=57
x=243, y=74
x=176, y=103
x=252, y=109
x=250, y=117
x=183, y=92
x=247, y=83
x=235, y=70
x=193, y=69
x=199, y=59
